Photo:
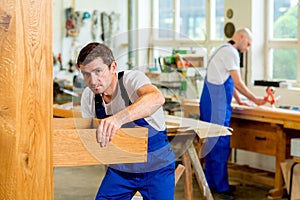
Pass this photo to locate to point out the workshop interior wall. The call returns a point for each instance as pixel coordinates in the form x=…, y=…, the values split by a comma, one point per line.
x=69, y=46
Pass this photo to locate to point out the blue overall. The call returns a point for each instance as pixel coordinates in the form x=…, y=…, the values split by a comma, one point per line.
x=215, y=107
x=154, y=179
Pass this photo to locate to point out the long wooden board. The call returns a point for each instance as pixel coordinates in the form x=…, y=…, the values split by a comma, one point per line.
x=60, y=112
x=26, y=98
x=74, y=144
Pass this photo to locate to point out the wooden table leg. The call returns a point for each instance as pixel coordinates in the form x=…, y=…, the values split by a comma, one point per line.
x=199, y=173
x=280, y=157
x=188, y=177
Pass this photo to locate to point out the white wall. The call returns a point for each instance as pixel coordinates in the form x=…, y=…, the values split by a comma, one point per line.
x=69, y=46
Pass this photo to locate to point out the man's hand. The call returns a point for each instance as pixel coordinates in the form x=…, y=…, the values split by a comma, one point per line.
x=106, y=130
x=245, y=103
x=259, y=101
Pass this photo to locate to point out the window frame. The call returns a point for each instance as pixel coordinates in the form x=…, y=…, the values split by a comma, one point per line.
x=274, y=43
x=208, y=43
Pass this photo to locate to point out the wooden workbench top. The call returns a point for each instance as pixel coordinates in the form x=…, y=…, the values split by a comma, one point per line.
x=285, y=117
x=264, y=111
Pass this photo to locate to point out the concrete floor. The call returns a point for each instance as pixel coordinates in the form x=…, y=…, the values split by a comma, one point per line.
x=81, y=183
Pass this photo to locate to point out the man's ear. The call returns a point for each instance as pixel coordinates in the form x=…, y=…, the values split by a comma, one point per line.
x=113, y=66
x=77, y=67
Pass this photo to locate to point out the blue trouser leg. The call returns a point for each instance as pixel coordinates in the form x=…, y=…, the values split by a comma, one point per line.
x=216, y=170
x=155, y=185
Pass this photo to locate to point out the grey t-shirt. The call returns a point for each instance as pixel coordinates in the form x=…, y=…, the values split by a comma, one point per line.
x=132, y=80
x=225, y=59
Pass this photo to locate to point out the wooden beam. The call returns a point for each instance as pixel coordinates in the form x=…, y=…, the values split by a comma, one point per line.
x=188, y=177
x=60, y=112
x=75, y=144
x=26, y=99
x=199, y=173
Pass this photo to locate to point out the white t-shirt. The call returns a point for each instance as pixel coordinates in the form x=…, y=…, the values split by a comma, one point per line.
x=225, y=59
x=132, y=81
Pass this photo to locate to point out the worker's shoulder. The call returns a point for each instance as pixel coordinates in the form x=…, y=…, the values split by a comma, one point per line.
x=229, y=51
x=133, y=72
x=131, y=75
x=87, y=92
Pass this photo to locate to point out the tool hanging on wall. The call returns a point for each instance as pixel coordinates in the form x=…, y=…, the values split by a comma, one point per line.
x=110, y=27
x=114, y=19
x=60, y=62
x=78, y=20
x=105, y=28
x=71, y=22
x=95, y=25
x=73, y=53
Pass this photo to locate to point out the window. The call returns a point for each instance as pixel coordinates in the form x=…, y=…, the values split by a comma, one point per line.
x=165, y=19
x=192, y=19
x=184, y=23
x=217, y=20
x=285, y=19
x=283, y=43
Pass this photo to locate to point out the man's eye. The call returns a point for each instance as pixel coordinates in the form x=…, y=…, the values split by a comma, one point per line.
x=86, y=74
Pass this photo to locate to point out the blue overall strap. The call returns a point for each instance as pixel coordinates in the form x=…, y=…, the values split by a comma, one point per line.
x=99, y=108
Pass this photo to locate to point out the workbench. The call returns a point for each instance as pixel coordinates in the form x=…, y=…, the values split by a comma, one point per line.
x=263, y=130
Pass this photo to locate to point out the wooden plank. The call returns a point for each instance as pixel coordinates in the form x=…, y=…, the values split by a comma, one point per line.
x=79, y=147
x=199, y=173
x=75, y=123
x=291, y=125
x=178, y=172
x=7, y=101
x=75, y=144
x=191, y=109
x=26, y=99
x=248, y=175
x=60, y=112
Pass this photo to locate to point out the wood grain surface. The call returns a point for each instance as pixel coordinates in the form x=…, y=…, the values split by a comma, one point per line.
x=26, y=99
x=75, y=144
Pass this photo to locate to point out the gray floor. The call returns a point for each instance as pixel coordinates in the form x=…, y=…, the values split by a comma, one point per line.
x=82, y=183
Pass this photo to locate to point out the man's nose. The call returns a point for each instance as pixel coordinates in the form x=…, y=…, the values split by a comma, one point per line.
x=94, y=78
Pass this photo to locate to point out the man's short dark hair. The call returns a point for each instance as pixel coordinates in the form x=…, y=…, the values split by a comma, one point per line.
x=95, y=50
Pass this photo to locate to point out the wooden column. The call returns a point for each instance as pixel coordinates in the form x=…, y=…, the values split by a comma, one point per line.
x=26, y=98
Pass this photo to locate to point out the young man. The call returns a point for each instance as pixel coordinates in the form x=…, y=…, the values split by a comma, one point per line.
x=222, y=82
x=127, y=99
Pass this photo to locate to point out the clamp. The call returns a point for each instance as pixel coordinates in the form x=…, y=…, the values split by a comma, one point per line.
x=270, y=95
